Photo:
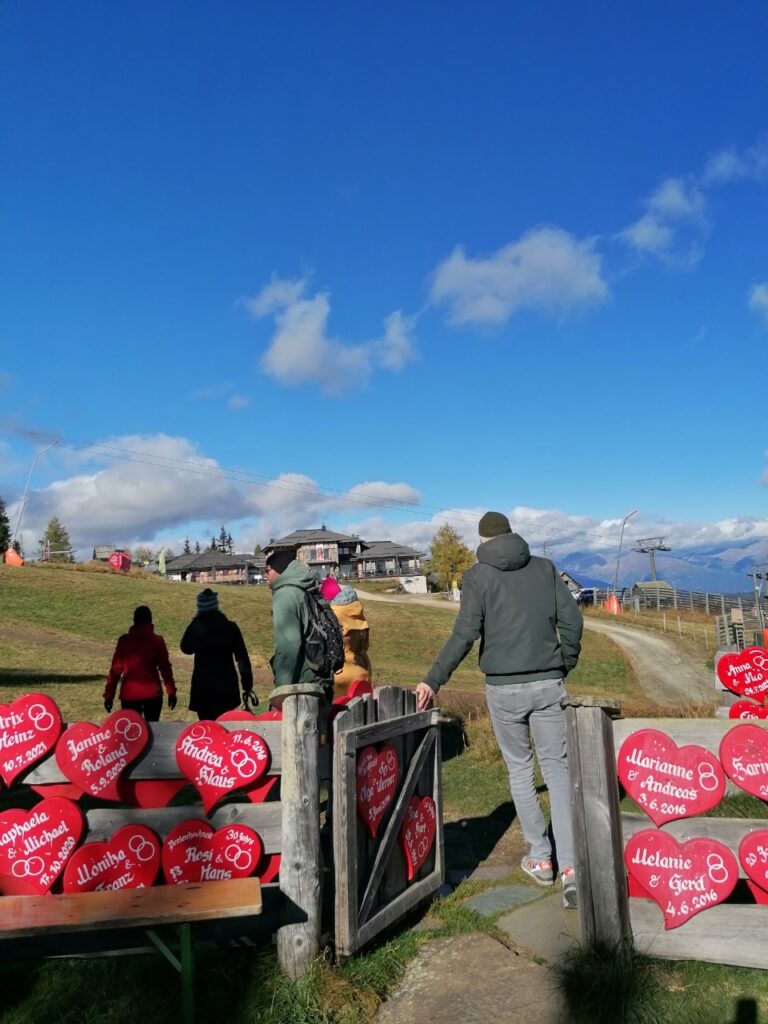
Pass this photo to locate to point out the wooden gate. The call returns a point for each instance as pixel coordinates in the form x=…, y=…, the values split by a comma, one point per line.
x=372, y=886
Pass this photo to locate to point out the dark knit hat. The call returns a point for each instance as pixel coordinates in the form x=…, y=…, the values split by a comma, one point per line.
x=207, y=601
x=493, y=524
x=280, y=560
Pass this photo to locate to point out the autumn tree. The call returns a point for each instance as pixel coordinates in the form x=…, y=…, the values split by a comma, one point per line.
x=5, y=528
x=449, y=556
x=55, y=545
x=144, y=555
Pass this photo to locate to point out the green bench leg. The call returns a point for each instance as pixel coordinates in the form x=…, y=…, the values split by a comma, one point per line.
x=187, y=973
x=185, y=966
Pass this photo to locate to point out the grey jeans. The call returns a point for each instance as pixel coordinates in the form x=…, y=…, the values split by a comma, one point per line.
x=517, y=710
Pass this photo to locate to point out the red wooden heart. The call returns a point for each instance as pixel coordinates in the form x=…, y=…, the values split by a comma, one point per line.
x=683, y=878
x=150, y=792
x=29, y=728
x=745, y=672
x=48, y=789
x=377, y=772
x=129, y=860
x=258, y=792
x=744, y=753
x=668, y=781
x=269, y=867
x=35, y=845
x=218, y=762
x=760, y=895
x=194, y=852
x=747, y=709
x=417, y=833
x=753, y=854
x=95, y=756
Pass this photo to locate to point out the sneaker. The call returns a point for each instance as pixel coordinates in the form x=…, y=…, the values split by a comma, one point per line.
x=539, y=870
x=568, y=882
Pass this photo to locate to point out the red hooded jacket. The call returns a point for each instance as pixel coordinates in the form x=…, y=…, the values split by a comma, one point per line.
x=141, y=658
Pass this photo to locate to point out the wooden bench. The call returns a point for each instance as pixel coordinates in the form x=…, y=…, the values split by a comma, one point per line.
x=55, y=924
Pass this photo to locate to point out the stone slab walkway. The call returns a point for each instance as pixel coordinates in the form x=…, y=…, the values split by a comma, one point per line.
x=473, y=979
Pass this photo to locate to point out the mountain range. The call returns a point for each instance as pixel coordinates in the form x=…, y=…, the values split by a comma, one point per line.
x=714, y=570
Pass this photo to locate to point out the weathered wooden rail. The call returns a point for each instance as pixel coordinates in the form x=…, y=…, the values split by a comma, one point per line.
x=728, y=933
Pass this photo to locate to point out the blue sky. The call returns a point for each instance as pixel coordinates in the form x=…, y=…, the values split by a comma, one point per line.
x=463, y=256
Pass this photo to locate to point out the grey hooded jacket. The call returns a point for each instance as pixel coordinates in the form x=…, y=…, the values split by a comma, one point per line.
x=527, y=621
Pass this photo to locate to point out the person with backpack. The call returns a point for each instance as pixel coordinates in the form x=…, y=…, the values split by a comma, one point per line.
x=309, y=647
x=218, y=645
x=348, y=609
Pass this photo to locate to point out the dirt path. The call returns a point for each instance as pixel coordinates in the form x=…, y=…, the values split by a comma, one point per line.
x=666, y=671
x=663, y=668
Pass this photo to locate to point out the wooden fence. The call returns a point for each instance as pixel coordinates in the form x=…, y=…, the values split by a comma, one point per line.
x=728, y=933
x=372, y=889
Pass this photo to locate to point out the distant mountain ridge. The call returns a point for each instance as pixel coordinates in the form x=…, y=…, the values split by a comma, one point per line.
x=711, y=569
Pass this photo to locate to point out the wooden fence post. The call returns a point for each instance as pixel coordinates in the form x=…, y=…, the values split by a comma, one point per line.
x=301, y=870
x=597, y=834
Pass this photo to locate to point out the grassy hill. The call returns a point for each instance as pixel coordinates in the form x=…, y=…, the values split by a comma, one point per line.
x=59, y=624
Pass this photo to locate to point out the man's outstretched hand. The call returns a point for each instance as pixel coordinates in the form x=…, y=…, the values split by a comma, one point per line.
x=424, y=696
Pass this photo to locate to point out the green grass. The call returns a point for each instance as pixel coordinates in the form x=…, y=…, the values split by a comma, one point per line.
x=612, y=986
x=59, y=625
x=57, y=632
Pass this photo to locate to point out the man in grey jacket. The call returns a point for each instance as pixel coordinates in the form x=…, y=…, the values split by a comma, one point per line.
x=529, y=628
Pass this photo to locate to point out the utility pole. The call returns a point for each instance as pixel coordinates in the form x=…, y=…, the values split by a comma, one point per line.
x=624, y=521
x=758, y=572
x=648, y=547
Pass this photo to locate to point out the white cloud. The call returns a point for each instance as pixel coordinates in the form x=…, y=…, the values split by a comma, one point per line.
x=237, y=402
x=675, y=218
x=728, y=165
x=301, y=351
x=276, y=295
x=395, y=349
x=547, y=270
x=758, y=300
x=649, y=234
x=677, y=200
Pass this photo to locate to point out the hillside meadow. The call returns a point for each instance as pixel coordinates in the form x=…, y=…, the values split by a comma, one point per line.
x=59, y=625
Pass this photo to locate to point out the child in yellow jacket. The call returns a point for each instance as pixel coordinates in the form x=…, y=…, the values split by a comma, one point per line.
x=348, y=609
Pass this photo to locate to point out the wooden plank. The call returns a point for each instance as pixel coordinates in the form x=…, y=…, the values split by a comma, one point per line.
x=159, y=762
x=394, y=823
x=437, y=796
x=734, y=934
x=301, y=868
x=381, y=732
x=27, y=916
x=264, y=818
x=391, y=705
x=406, y=901
x=598, y=846
x=729, y=831
x=345, y=827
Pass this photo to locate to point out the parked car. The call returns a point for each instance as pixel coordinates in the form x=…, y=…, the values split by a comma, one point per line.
x=585, y=596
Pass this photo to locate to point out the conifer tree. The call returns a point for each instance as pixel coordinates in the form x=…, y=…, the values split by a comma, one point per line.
x=5, y=528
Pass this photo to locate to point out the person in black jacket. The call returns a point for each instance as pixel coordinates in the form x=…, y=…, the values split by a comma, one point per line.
x=217, y=645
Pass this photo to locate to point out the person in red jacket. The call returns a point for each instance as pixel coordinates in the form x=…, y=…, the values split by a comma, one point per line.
x=140, y=659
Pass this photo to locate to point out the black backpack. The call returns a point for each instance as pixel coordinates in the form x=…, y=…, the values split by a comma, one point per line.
x=324, y=642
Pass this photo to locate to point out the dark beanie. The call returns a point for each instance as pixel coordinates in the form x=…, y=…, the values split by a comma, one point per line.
x=280, y=560
x=207, y=601
x=493, y=524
